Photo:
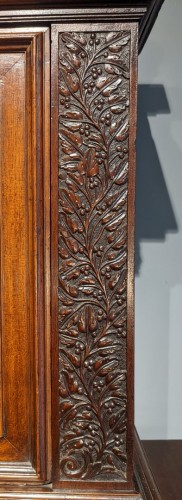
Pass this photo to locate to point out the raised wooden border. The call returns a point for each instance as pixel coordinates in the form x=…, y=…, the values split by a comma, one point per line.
x=37, y=39
x=56, y=29
x=145, y=484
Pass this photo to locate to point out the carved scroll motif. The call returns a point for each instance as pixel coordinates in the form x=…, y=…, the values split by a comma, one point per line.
x=94, y=80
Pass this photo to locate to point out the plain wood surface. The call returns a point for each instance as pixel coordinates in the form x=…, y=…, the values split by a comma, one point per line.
x=14, y=261
x=165, y=459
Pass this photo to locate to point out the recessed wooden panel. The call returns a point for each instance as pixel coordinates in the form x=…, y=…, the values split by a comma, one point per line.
x=14, y=253
x=24, y=163
x=93, y=301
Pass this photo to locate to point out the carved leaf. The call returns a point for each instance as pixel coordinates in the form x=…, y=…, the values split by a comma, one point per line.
x=106, y=92
x=92, y=323
x=73, y=83
x=72, y=126
x=118, y=45
x=94, y=90
x=117, y=110
x=122, y=175
x=111, y=36
x=73, y=115
x=82, y=165
x=63, y=90
x=113, y=282
x=93, y=167
x=102, y=81
x=123, y=132
x=74, y=138
x=112, y=70
x=72, y=224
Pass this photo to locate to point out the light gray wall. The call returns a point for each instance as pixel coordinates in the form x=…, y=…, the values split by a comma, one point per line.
x=158, y=412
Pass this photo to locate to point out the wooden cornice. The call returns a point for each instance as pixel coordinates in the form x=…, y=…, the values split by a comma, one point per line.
x=148, y=20
x=45, y=11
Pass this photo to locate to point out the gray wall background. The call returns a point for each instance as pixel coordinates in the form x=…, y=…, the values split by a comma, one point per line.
x=158, y=347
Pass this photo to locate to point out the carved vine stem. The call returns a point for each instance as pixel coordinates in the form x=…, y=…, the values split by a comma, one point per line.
x=93, y=190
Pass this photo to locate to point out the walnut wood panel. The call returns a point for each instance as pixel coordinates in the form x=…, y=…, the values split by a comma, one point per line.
x=93, y=282
x=24, y=297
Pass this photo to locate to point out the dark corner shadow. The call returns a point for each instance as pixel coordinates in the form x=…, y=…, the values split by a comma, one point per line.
x=154, y=212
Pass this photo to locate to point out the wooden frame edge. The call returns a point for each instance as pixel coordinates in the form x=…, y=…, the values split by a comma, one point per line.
x=46, y=12
x=37, y=38
x=145, y=482
x=143, y=473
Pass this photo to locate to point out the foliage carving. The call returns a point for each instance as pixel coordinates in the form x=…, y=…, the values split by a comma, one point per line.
x=94, y=80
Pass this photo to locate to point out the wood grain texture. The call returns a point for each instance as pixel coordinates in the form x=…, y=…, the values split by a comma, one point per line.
x=22, y=253
x=165, y=459
x=95, y=237
x=14, y=258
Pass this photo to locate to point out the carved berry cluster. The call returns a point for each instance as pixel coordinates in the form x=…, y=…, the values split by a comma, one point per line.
x=93, y=187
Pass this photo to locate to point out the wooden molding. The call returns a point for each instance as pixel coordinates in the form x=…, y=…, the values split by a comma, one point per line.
x=143, y=473
x=143, y=12
x=146, y=488
x=24, y=300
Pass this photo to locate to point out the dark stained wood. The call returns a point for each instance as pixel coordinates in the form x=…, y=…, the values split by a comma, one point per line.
x=23, y=331
x=91, y=349
x=143, y=473
x=165, y=459
x=49, y=494
x=148, y=21
x=142, y=470
x=144, y=12
x=61, y=3
x=67, y=387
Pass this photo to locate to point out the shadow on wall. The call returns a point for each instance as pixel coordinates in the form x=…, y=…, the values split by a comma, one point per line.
x=154, y=212
x=155, y=218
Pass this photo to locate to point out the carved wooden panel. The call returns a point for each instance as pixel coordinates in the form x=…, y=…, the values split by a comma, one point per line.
x=96, y=78
x=22, y=239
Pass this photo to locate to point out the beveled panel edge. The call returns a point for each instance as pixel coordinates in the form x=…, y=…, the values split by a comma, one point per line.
x=20, y=39
x=12, y=472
